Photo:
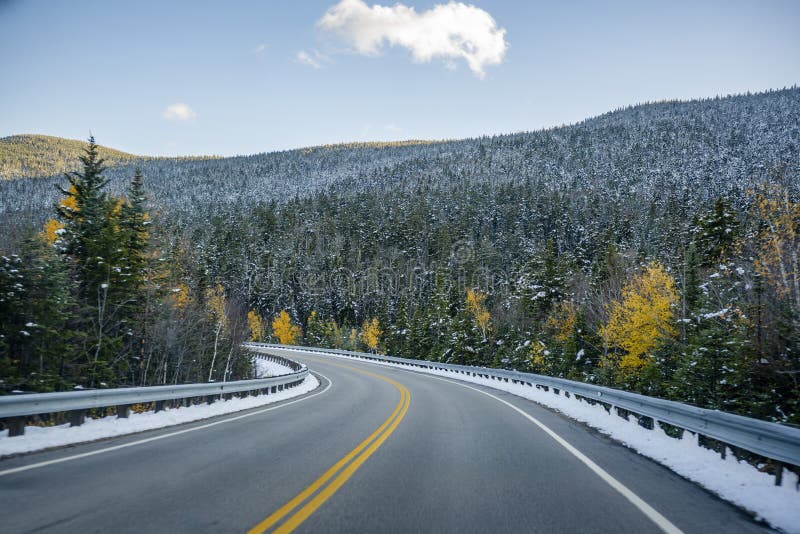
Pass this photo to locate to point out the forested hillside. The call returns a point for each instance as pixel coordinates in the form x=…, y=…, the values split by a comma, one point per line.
x=653, y=248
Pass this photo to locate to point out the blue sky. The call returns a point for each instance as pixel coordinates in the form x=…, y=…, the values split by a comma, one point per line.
x=243, y=70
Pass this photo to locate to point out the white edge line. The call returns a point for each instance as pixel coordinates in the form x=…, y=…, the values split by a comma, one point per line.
x=662, y=522
x=162, y=436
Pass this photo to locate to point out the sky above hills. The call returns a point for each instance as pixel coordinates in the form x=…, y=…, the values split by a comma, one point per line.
x=187, y=77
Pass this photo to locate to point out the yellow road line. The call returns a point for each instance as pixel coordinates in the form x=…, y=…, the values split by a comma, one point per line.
x=376, y=439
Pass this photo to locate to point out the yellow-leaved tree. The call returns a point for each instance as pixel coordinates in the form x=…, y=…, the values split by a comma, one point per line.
x=181, y=298
x=50, y=231
x=371, y=333
x=52, y=226
x=642, y=319
x=283, y=329
x=476, y=308
x=561, y=321
x=216, y=305
x=256, y=325
x=778, y=258
x=537, y=357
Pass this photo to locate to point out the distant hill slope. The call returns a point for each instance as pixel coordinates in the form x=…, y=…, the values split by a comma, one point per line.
x=34, y=156
x=28, y=156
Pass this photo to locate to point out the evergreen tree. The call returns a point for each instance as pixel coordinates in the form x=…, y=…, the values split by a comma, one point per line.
x=399, y=330
x=715, y=233
x=439, y=317
x=37, y=343
x=85, y=218
x=315, y=331
x=691, y=289
x=134, y=222
x=94, y=245
x=542, y=283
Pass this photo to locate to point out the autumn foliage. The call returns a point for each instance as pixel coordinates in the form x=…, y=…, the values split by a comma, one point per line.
x=283, y=329
x=371, y=333
x=639, y=321
x=477, y=309
x=256, y=325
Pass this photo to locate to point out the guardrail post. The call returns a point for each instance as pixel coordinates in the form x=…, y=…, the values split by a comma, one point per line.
x=210, y=399
x=159, y=406
x=16, y=426
x=123, y=411
x=778, y=473
x=77, y=417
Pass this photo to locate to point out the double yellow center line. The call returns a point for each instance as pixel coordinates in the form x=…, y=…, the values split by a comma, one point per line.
x=325, y=486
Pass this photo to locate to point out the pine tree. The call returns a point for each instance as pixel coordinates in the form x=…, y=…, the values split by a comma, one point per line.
x=315, y=331
x=134, y=222
x=37, y=342
x=94, y=243
x=715, y=233
x=542, y=283
x=84, y=214
x=691, y=286
x=439, y=317
x=399, y=330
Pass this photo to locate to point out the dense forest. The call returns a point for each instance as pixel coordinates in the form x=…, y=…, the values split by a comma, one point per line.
x=655, y=248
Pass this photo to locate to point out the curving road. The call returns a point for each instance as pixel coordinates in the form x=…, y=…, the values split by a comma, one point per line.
x=374, y=449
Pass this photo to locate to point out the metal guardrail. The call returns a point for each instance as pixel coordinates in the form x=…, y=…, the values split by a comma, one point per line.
x=14, y=409
x=770, y=440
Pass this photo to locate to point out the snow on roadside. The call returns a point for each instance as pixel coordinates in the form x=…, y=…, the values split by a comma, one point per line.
x=266, y=368
x=735, y=481
x=39, y=438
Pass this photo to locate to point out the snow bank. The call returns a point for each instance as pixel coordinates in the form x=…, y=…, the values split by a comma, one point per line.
x=735, y=481
x=266, y=368
x=38, y=438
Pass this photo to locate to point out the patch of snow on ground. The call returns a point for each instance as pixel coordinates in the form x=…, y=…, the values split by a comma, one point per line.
x=735, y=481
x=38, y=438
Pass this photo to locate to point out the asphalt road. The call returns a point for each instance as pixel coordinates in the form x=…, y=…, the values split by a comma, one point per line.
x=442, y=458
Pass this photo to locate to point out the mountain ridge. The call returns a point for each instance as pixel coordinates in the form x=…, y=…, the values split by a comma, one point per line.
x=646, y=153
x=40, y=165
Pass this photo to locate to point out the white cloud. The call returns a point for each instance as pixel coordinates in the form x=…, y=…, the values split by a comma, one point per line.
x=305, y=58
x=447, y=31
x=179, y=112
x=260, y=49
